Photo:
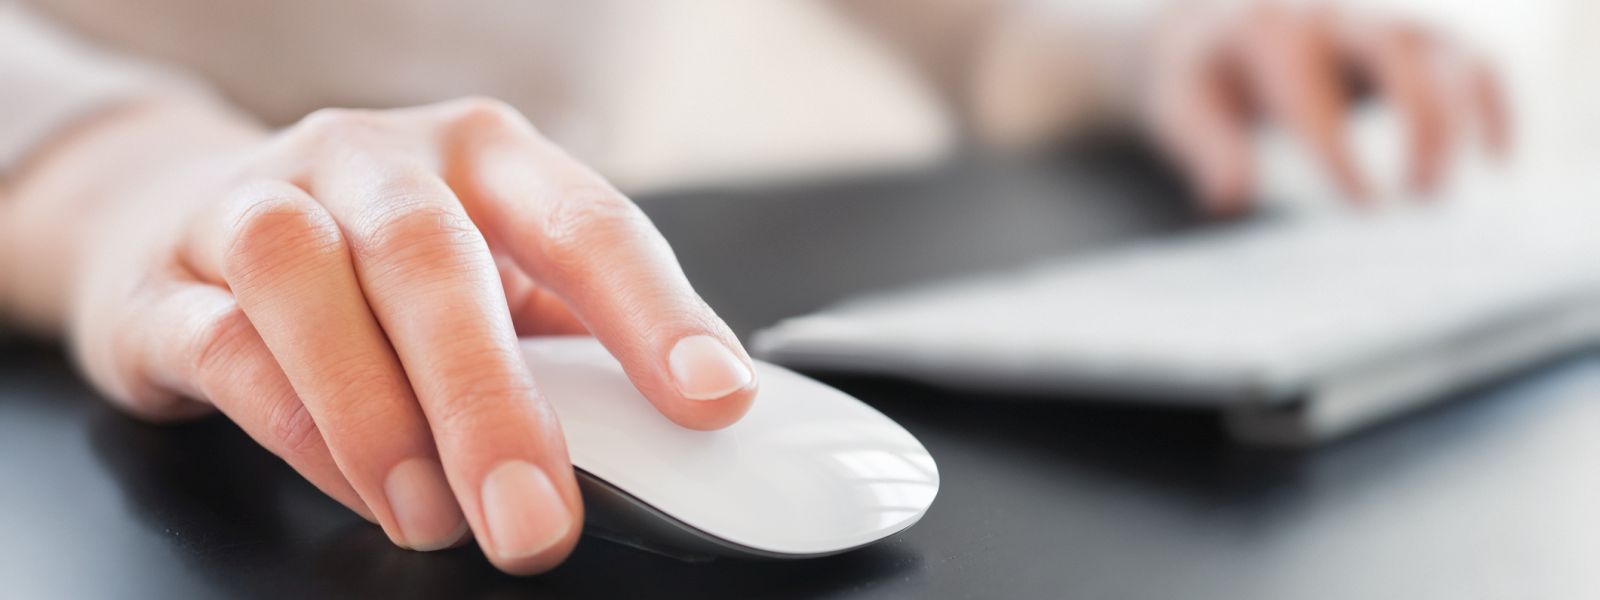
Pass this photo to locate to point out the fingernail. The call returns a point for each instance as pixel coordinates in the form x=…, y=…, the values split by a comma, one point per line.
x=423, y=505
x=705, y=369
x=525, y=513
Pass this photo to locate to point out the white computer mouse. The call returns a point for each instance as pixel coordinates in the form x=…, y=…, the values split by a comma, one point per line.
x=809, y=471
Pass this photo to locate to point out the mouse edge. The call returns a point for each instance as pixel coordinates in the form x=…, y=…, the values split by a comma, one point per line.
x=615, y=515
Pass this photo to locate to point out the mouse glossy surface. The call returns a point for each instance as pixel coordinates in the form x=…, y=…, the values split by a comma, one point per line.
x=809, y=470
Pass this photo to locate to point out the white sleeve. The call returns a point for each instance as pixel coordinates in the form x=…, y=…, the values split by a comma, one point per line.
x=48, y=80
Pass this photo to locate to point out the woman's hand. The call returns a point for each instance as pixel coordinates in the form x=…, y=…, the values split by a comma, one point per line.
x=350, y=290
x=1217, y=68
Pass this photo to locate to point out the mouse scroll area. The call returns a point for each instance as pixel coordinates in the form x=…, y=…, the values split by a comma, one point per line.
x=809, y=471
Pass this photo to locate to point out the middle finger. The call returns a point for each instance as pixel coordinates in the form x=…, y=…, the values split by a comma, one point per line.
x=433, y=285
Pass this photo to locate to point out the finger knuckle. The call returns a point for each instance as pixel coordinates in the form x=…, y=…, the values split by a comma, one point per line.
x=585, y=219
x=418, y=236
x=486, y=112
x=273, y=235
x=218, y=342
x=292, y=429
x=352, y=382
x=484, y=383
x=482, y=405
x=133, y=391
x=327, y=130
x=330, y=122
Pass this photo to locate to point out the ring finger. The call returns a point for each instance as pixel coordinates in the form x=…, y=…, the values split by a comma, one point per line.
x=284, y=258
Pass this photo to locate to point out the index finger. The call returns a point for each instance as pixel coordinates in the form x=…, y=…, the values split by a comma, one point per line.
x=576, y=234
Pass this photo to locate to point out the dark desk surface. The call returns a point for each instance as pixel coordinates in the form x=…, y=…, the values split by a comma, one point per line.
x=1496, y=494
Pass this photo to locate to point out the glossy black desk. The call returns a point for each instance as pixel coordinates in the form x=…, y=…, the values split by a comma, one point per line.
x=1496, y=494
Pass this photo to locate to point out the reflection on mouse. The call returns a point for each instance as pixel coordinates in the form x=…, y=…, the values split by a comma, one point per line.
x=808, y=472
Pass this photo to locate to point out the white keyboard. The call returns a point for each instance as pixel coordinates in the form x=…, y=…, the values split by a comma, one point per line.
x=1370, y=311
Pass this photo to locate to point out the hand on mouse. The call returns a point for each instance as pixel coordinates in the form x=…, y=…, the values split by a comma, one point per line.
x=349, y=291
x=1217, y=68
